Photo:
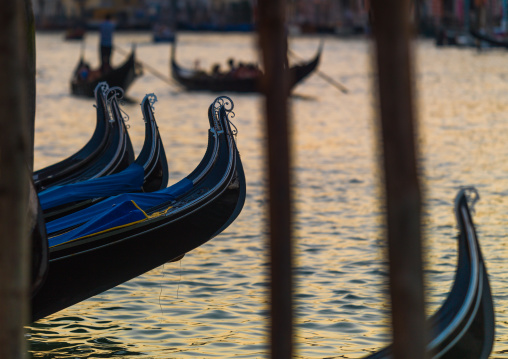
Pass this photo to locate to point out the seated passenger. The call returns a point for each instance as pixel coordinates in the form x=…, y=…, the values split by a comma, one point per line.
x=83, y=72
x=216, y=70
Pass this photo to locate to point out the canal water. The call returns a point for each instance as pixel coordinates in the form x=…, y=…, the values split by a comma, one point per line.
x=213, y=303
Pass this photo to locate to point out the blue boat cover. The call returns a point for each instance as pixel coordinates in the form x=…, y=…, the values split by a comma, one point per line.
x=102, y=216
x=123, y=214
x=129, y=180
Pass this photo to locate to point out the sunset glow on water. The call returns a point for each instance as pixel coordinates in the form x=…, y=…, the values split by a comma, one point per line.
x=213, y=303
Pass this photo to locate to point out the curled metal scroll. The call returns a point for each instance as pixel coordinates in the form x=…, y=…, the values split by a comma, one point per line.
x=125, y=117
x=472, y=196
x=118, y=94
x=152, y=99
x=104, y=87
x=234, y=130
x=226, y=102
x=222, y=102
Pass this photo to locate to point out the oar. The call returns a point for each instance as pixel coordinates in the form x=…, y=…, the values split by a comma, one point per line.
x=324, y=76
x=150, y=69
x=82, y=49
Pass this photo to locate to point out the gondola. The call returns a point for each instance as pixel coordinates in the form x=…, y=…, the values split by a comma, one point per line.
x=450, y=37
x=108, y=151
x=163, y=38
x=39, y=249
x=152, y=156
x=488, y=39
x=122, y=76
x=464, y=325
x=193, y=80
x=148, y=173
x=132, y=234
x=162, y=33
x=75, y=33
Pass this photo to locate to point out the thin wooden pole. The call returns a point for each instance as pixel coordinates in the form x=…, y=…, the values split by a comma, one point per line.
x=14, y=257
x=273, y=43
x=402, y=190
x=29, y=78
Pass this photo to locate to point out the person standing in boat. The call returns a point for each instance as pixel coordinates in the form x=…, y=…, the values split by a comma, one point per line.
x=107, y=27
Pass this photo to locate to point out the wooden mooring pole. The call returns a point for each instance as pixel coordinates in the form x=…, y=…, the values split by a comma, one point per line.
x=273, y=43
x=28, y=27
x=392, y=33
x=14, y=255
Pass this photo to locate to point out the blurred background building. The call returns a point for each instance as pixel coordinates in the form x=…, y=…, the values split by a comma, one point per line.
x=304, y=16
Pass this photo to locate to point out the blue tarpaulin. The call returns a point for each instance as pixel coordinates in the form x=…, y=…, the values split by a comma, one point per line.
x=103, y=212
x=118, y=216
x=129, y=180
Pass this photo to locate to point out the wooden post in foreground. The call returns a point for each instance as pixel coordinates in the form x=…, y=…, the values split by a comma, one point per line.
x=272, y=41
x=14, y=255
x=29, y=77
x=403, y=200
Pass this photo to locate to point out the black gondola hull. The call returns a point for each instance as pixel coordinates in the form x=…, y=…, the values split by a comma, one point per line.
x=75, y=278
x=204, y=82
x=488, y=39
x=86, y=266
x=108, y=151
x=464, y=325
x=122, y=76
x=152, y=158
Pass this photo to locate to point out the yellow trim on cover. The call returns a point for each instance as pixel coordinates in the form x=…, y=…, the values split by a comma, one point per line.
x=161, y=213
x=154, y=215
x=106, y=230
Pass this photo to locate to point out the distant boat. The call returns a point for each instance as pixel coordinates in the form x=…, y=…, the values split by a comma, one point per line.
x=491, y=40
x=453, y=37
x=84, y=79
x=193, y=80
x=240, y=27
x=75, y=33
x=464, y=325
x=163, y=33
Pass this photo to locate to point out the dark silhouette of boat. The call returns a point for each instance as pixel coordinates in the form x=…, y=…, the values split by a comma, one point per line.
x=84, y=79
x=131, y=234
x=75, y=33
x=39, y=248
x=492, y=41
x=163, y=33
x=193, y=80
x=108, y=151
x=464, y=325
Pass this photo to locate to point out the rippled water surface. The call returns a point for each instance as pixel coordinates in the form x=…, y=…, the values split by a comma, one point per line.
x=213, y=303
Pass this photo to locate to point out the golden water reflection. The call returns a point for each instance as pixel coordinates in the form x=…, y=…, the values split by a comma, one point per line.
x=213, y=303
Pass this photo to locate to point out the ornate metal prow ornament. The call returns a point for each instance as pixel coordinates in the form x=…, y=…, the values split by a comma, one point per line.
x=104, y=87
x=152, y=98
x=118, y=94
x=222, y=102
x=472, y=196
